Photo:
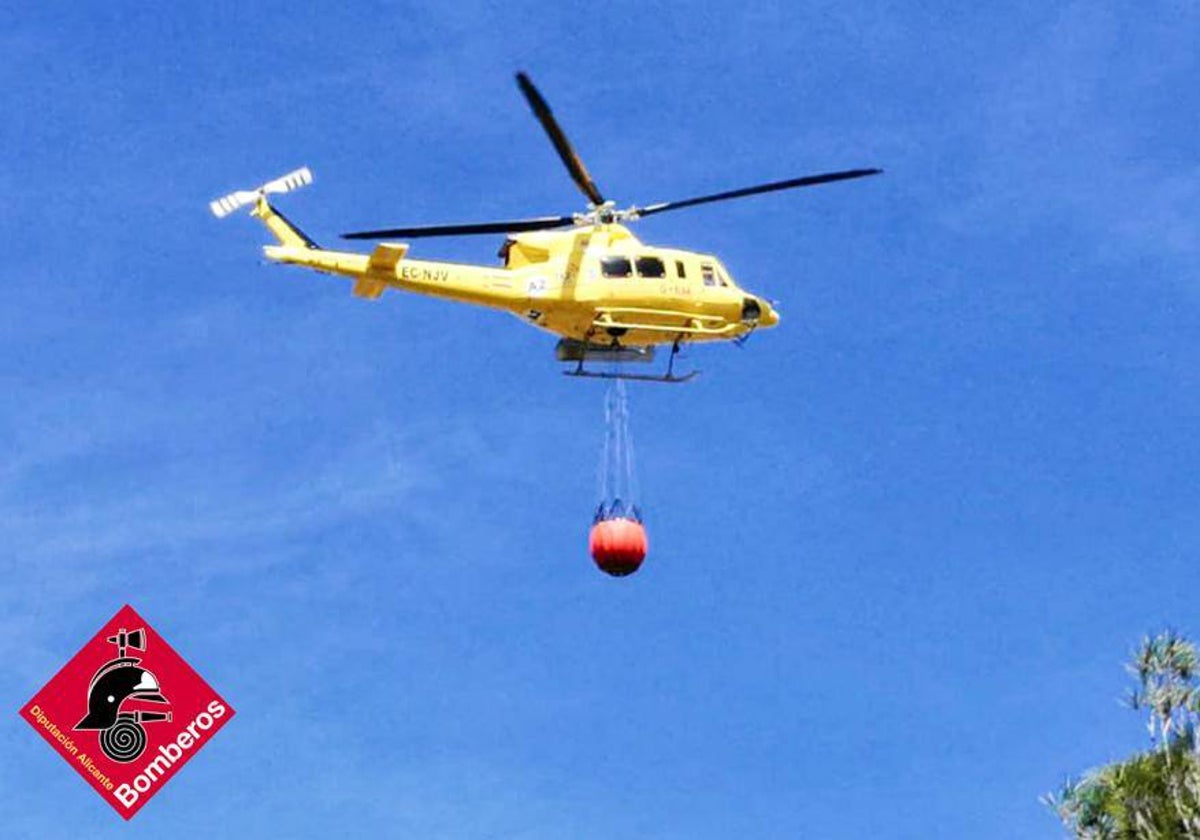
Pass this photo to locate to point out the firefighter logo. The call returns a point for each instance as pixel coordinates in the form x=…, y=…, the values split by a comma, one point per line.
x=127, y=712
x=118, y=683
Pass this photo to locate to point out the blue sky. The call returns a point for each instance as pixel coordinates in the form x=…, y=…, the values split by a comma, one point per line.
x=900, y=545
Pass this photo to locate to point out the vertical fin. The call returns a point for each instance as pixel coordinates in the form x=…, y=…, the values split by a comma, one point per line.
x=279, y=224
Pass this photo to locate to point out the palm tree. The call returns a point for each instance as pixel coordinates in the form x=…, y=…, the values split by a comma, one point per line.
x=1155, y=794
x=1166, y=670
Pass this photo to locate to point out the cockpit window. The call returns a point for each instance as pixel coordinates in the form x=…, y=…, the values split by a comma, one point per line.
x=710, y=276
x=651, y=267
x=616, y=267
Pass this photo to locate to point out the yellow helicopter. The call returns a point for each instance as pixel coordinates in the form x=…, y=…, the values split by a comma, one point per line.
x=584, y=276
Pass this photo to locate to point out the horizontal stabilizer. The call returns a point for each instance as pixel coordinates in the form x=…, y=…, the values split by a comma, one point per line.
x=225, y=205
x=386, y=257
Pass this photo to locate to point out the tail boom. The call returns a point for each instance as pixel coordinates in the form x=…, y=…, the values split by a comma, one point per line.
x=387, y=266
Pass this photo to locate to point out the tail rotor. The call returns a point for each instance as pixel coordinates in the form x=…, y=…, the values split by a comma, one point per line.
x=225, y=205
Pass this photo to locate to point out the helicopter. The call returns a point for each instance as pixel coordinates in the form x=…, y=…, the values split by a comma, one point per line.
x=584, y=276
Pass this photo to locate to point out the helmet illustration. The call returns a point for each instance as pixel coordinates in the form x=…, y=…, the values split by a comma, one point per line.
x=118, y=681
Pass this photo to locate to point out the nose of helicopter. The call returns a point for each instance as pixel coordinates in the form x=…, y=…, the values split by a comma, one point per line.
x=759, y=312
x=769, y=316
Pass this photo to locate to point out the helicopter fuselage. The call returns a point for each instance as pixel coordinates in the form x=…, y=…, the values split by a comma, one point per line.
x=597, y=284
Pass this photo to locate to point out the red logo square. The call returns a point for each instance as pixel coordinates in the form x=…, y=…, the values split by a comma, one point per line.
x=127, y=712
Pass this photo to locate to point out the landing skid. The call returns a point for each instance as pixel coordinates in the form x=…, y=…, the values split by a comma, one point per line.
x=669, y=376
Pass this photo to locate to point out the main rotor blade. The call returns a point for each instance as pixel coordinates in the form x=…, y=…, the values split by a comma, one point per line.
x=561, y=144
x=807, y=181
x=470, y=229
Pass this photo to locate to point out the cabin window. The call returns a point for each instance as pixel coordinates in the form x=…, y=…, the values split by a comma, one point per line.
x=679, y=270
x=710, y=276
x=616, y=267
x=651, y=267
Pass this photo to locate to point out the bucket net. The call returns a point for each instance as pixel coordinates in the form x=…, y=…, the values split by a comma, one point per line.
x=617, y=478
